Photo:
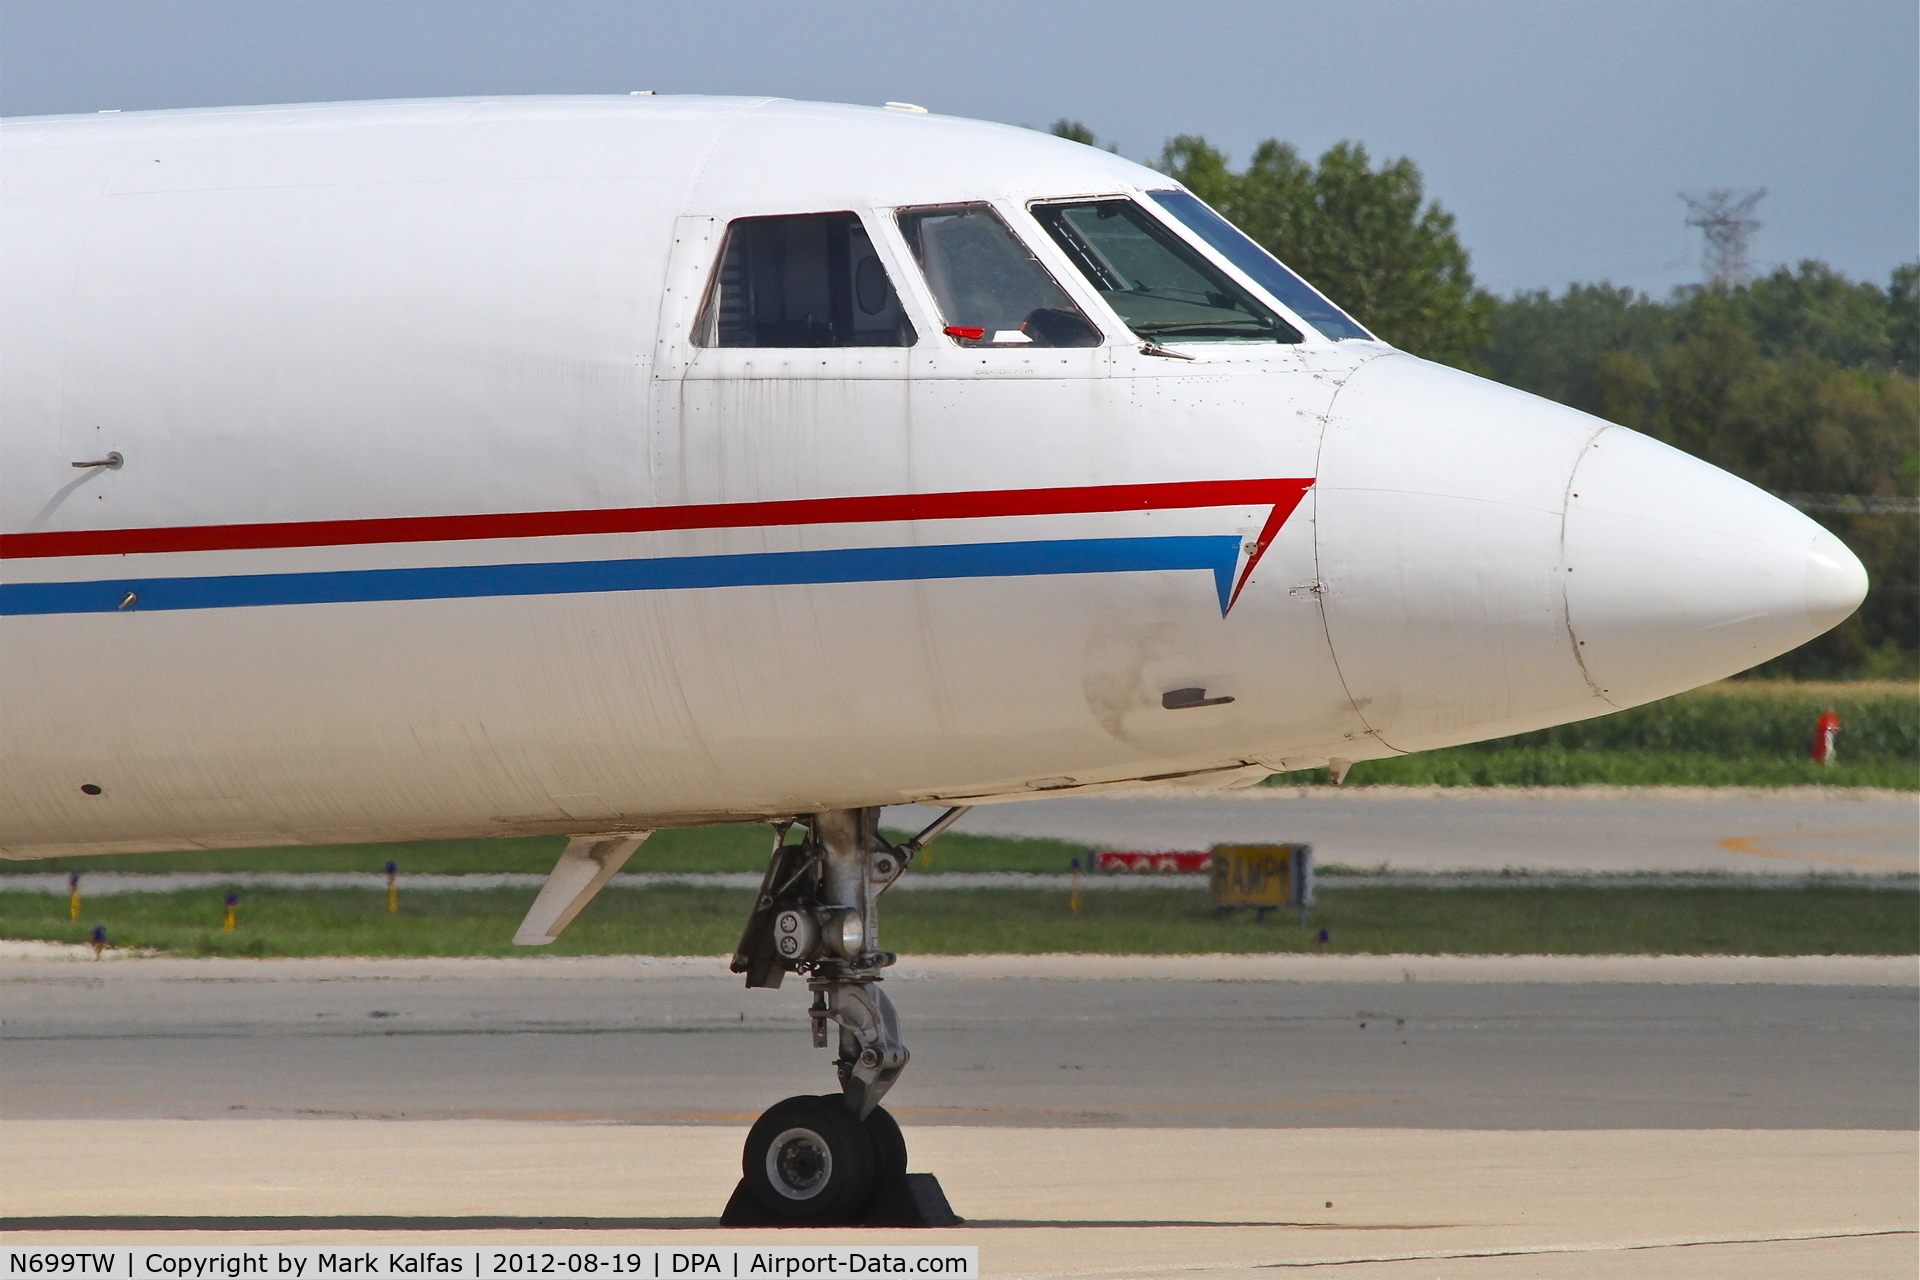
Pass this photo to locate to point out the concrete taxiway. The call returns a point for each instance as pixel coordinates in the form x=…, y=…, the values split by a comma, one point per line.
x=1381, y=1116
x=1372, y=1203
x=1560, y=829
x=1223, y=1042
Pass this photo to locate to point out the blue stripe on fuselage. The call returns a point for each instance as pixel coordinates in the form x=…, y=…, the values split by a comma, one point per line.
x=1218, y=554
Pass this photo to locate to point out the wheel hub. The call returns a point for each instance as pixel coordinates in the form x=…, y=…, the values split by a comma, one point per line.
x=799, y=1164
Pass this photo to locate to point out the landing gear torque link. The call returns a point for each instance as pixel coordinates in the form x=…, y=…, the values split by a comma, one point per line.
x=834, y=1159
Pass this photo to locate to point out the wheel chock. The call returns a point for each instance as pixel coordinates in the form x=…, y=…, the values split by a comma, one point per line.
x=914, y=1200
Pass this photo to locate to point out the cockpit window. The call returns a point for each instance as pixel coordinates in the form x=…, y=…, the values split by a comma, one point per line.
x=1157, y=282
x=991, y=290
x=1265, y=270
x=807, y=281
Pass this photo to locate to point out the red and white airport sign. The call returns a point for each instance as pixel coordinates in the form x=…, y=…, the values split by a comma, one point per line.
x=1183, y=862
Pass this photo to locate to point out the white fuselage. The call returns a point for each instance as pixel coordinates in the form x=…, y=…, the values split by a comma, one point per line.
x=434, y=519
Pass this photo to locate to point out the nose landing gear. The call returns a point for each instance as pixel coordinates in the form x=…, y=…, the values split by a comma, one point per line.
x=837, y=1159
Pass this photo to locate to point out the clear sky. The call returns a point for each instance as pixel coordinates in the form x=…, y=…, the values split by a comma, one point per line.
x=1557, y=132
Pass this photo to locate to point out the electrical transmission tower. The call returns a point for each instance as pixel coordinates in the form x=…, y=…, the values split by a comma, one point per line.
x=1725, y=217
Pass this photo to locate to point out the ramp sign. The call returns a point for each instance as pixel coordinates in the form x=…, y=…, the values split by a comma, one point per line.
x=1263, y=876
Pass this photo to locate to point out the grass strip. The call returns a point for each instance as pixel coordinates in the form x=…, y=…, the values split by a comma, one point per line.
x=1746, y=733
x=1550, y=765
x=677, y=920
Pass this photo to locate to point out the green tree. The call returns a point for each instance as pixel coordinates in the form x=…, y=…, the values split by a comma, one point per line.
x=1903, y=304
x=1072, y=131
x=1366, y=237
x=1576, y=348
x=1812, y=310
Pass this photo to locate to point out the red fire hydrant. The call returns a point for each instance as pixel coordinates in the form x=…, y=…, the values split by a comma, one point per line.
x=1825, y=730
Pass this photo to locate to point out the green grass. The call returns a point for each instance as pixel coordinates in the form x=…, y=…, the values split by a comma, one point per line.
x=1554, y=766
x=1816, y=920
x=1751, y=733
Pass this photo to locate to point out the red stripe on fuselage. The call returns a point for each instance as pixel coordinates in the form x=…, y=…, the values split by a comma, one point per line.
x=1283, y=495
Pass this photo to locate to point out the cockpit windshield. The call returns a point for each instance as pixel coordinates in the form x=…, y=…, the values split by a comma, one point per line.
x=1161, y=287
x=1267, y=271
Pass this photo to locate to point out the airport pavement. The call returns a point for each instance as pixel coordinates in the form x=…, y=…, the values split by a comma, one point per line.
x=1126, y=1116
x=1379, y=1204
x=1229, y=1042
x=1629, y=829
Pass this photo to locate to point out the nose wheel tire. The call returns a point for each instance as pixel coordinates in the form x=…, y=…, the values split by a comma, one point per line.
x=810, y=1159
x=889, y=1147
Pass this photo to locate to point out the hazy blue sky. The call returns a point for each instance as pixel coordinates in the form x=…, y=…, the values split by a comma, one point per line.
x=1557, y=132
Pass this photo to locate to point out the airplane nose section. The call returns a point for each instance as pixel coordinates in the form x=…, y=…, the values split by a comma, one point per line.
x=1489, y=562
x=1437, y=522
x=1678, y=573
x=1836, y=583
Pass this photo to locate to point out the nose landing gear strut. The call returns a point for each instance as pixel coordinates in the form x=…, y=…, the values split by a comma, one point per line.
x=835, y=1159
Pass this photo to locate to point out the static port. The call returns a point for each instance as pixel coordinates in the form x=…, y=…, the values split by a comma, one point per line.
x=90, y=788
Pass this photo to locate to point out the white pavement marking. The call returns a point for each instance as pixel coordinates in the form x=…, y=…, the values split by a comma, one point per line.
x=35, y=949
x=1041, y=1202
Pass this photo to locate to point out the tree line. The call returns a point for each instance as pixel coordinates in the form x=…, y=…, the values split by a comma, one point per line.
x=1803, y=382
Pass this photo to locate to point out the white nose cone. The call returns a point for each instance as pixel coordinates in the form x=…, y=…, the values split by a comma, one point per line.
x=1678, y=573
